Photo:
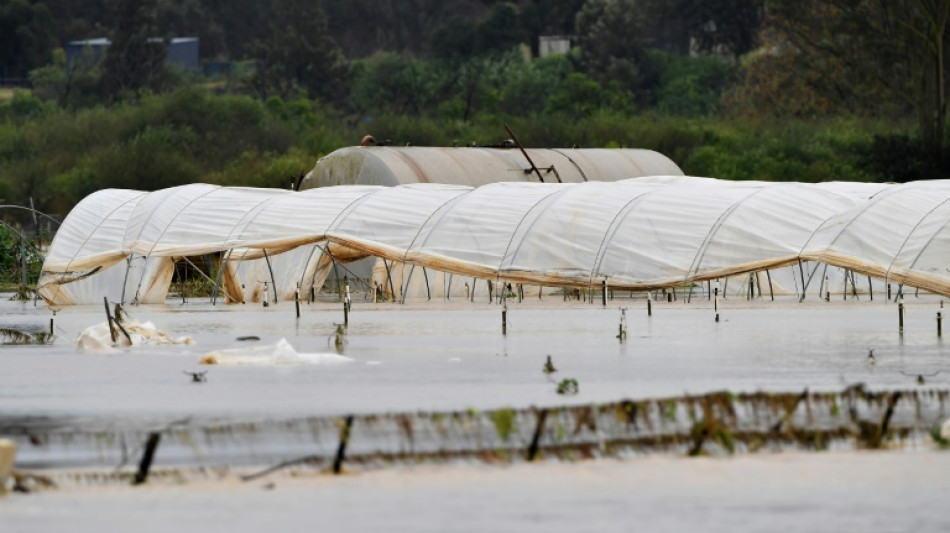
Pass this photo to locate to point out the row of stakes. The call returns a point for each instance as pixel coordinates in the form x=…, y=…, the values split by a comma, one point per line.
x=154, y=437
x=622, y=334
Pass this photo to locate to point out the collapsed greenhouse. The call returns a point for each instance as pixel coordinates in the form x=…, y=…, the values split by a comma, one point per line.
x=637, y=234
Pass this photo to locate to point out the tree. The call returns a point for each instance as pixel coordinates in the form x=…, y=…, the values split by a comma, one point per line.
x=392, y=83
x=720, y=26
x=899, y=46
x=549, y=17
x=136, y=58
x=26, y=37
x=455, y=40
x=299, y=54
x=501, y=30
x=528, y=89
x=610, y=36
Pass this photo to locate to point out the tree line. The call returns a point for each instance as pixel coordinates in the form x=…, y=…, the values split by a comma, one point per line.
x=315, y=74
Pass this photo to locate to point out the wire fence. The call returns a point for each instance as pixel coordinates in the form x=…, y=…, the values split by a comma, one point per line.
x=722, y=423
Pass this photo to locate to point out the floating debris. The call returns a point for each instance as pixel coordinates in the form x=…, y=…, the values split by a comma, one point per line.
x=98, y=338
x=197, y=377
x=279, y=353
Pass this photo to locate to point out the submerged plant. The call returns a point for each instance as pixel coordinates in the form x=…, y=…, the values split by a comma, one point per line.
x=568, y=387
x=17, y=337
x=941, y=441
x=504, y=420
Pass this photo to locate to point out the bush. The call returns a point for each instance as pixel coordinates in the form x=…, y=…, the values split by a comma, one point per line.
x=690, y=86
x=899, y=158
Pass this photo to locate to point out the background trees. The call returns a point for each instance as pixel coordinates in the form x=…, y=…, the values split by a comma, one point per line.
x=136, y=58
x=299, y=54
x=26, y=37
x=895, y=48
x=764, y=89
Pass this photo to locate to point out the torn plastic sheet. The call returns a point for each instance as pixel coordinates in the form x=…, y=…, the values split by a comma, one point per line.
x=98, y=338
x=279, y=353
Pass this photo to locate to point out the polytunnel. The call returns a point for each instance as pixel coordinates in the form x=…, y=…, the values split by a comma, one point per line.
x=900, y=235
x=637, y=234
x=476, y=166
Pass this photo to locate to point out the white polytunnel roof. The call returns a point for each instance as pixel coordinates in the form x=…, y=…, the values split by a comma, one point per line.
x=476, y=166
x=94, y=234
x=912, y=243
x=636, y=233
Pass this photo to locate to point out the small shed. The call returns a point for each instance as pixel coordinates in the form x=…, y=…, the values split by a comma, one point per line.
x=181, y=52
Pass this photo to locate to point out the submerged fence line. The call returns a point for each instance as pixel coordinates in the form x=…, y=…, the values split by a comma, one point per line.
x=714, y=423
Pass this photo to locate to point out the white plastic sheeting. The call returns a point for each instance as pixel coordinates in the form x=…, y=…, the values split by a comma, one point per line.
x=391, y=165
x=913, y=240
x=636, y=234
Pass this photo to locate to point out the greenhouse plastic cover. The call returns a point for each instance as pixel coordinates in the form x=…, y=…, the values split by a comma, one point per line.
x=476, y=166
x=639, y=233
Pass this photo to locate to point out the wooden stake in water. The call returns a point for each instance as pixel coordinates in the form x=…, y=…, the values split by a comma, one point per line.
x=939, y=324
x=716, y=303
x=297, y=300
x=538, y=431
x=900, y=317
x=603, y=288
x=112, y=333
x=649, y=304
x=622, y=335
x=344, y=440
x=150, y=445
x=504, y=317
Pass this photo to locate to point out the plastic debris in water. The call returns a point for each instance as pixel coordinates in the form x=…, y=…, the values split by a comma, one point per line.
x=279, y=353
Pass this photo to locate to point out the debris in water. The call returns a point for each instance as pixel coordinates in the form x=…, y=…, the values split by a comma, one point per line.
x=248, y=338
x=549, y=367
x=279, y=353
x=197, y=377
x=920, y=377
x=98, y=338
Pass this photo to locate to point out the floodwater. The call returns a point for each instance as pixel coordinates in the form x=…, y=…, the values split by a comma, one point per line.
x=452, y=355
x=440, y=357
x=820, y=492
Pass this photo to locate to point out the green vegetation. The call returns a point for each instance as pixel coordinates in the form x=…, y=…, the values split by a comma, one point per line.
x=568, y=387
x=756, y=102
x=20, y=262
x=57, y=157
x=504, y=420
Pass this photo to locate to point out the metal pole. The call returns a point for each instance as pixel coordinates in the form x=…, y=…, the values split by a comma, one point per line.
x=271, y=270
x=525, y=154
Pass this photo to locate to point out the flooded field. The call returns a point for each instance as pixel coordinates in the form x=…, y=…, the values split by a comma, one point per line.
x=453, y=356
x=827, y=492
x=440, y=357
